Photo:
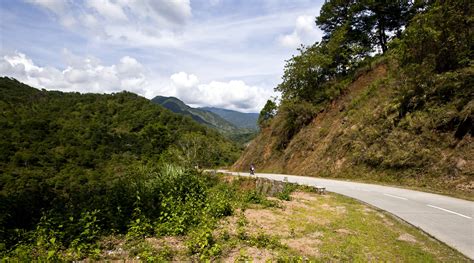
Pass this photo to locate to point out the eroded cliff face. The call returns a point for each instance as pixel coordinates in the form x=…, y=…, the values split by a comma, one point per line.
x=361, y=137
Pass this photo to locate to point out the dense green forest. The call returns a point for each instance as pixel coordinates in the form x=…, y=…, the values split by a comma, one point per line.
x=387, y=95
x=76, y=165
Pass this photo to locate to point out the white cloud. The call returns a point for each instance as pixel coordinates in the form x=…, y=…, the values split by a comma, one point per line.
x=107, y=9
x=291, y=40
x=183, y=80
x=305, y=32
x=81, y=74
x=234, y=94
x=129, y=66
x=88, y=74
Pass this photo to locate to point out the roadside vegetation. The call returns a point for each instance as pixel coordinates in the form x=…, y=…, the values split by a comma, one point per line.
x=78, y=166
x=184, y=215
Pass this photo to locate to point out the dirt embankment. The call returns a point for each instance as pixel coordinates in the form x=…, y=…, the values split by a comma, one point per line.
x=303, y=154
x=358, y=136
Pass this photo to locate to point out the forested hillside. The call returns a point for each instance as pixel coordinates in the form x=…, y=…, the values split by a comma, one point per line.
x=404, y=116
x=75, y=166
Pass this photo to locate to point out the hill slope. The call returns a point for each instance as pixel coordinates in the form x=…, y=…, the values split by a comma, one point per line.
x=403, y=118
x=41, y=124
x=238, y=119
x=349, y=139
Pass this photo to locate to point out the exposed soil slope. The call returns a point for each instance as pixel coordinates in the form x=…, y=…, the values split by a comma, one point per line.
x=360, y=136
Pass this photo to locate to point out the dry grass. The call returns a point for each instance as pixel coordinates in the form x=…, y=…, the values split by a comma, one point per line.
x=334, y=228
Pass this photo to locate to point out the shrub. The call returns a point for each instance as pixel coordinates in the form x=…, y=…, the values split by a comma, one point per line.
x=202, y=242
x=292, y=117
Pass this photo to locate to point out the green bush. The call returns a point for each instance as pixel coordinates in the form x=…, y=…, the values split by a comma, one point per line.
x=287, y=190
x=202, y=243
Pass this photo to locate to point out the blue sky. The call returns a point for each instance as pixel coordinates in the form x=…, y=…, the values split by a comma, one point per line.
x=221, y=53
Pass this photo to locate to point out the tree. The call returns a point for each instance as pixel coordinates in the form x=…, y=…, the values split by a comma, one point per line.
x=268, y=112
x=383, y=20
x=370, y=23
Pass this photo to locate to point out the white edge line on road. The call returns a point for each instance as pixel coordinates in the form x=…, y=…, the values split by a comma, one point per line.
x=403, y=198
x=449, y=211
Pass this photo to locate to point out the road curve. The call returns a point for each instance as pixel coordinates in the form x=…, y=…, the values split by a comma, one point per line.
x=448, y=219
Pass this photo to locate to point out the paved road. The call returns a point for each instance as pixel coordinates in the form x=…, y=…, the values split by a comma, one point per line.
x=448, y=219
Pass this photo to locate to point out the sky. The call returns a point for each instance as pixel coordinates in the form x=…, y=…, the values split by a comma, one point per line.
x=219, y=53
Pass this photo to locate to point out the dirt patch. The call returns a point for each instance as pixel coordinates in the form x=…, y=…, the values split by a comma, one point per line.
x=344, y=231
x=251, y=254
x=307, y=246
x=385, y=220
x=112, y=248
x=315, y=235
x=114, y=254
x=367, y=210
x=304, y=196
x=267, y=221
x=407, y=238
x=228, y=224
x=290, y=206
x=339, y=163
x=177, y=243
x=339, y=210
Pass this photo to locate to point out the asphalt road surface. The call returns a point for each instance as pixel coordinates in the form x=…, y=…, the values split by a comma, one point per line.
x=448, y=219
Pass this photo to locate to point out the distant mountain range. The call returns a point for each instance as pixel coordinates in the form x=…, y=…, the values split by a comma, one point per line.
x=226, y=121
x=239, y=119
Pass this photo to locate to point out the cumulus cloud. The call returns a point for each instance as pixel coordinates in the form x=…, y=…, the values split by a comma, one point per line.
x=305, y=32
x=234, y=94
x=183, y=80
x=89, y=74
x=80, y=74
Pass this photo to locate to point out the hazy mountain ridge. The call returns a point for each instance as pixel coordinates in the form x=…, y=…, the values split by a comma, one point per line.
x=238, y=119
x=240, y=134
x=205, y=117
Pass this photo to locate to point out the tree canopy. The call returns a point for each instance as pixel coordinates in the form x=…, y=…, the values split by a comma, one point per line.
x=353, y=30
